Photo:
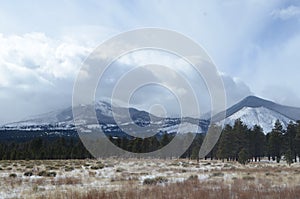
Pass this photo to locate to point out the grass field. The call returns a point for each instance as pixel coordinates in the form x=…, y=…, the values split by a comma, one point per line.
x=147, y=178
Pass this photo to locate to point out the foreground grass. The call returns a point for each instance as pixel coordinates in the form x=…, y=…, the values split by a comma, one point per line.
x=191, y=188
x=147, y=178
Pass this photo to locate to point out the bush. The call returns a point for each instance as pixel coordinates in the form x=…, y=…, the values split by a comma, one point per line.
x=120, y=170
x=42, y=173
x=51, y=174
x=96, y=167
x=243, y=156
x=248, y=178
x=28, y=173
x=149, y=181
x=289, y=157
x=193, y=177
x=218, y=174
x=154, y=181
x=12, y=175
x=47, y=174
x=51, y=168
x=69, y=169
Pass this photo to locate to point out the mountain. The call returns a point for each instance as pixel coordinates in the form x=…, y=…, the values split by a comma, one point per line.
x=63, y=120
x=251, y=110
x=256, y=111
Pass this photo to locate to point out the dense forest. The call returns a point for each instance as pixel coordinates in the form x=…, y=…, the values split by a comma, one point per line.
x=236, y=143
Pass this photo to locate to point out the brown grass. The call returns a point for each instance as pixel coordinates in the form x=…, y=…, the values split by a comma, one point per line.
x=192, y=189
x=125, y=178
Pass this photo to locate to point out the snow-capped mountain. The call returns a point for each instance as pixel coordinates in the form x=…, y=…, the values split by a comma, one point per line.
x=251, y=110
x=256, y=111
x=63, y=120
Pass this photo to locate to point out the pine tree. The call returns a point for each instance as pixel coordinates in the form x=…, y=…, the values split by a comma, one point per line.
x=297, y=140
x=225, y=146
x=257, y=142
x=275, y=141
x=240, y=141
x=165, y=140
x=289, y=138
x=243, y=156
x=288, y=157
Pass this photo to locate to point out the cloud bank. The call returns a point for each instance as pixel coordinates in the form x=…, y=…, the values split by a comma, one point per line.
x=253, y=43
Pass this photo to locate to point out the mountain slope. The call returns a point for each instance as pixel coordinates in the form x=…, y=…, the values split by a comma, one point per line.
x=256, y=111
x=261, y=116
x=63, y=120
x=255, y=102
x=251, y=110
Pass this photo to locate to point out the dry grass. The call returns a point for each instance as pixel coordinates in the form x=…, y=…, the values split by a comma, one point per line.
x=147, y=178
x=192, y=188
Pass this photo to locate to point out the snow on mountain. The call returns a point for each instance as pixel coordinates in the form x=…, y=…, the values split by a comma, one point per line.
x=104, y=107
x=261, y=116
x=63, y=120
x=251, y=110
x=184, y=127
x=256, y=111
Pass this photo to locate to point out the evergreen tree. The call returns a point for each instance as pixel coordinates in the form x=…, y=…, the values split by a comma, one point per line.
x=243, y=156
x=240, y=141
x=288, y=157
x=275, y=141
x=257, y=143
x=297, y=140
x=289, y=141
x=165, y=140
x=225, y=146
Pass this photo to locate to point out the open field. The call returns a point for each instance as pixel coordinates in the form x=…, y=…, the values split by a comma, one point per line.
x=147, y=178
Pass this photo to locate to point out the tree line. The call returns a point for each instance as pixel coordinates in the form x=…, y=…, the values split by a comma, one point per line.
x=236, y=143
x=240, y=143
x=43, y=148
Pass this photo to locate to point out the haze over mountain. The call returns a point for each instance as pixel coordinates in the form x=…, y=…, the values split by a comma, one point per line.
x=251, y=110
x=63, y=120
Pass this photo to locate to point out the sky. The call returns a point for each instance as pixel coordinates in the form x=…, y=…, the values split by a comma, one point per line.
x=254, y=44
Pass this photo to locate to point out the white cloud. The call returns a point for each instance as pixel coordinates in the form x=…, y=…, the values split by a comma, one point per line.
x=36, y=73
x=41, y=52
x=287, y=13
x=173, y=78
x=36, y=57
x=274, y=74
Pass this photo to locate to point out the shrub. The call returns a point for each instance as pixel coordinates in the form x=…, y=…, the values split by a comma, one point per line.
x=149, y=181
x=42, y=173
x=52, y=167
x=28, y=173
x=243, y=157
x=51, y=174
x=96, y=167
x=248, y=178
x=12, y=175
x=218, y=174
x=120, y=170
x=193, y=177
x=161, y=179
x=154, y=181
x=47, y=174
x=69, y=169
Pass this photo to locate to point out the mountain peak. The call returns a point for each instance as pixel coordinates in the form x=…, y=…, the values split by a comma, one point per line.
x=253, y=101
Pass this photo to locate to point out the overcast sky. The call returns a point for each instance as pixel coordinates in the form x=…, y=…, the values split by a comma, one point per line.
x=255, y=45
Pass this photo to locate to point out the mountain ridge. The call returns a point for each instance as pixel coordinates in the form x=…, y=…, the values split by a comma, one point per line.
x=251, y=109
